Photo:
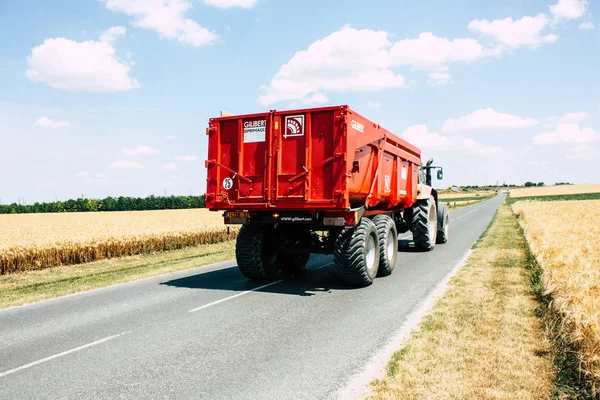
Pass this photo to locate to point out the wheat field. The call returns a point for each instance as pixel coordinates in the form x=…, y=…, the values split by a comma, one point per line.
x=36, y=241
x=554, y=190
x=564, y=237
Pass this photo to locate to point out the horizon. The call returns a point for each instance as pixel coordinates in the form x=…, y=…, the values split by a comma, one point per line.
x=112, y=97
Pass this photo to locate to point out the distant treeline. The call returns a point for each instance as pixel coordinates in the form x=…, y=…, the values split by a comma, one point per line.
x=108, y=204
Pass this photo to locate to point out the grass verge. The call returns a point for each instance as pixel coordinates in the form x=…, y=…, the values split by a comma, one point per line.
x=483, y=338
x=458, y=199
x=31, y=286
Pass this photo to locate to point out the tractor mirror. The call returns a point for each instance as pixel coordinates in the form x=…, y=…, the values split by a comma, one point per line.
x=440, y=174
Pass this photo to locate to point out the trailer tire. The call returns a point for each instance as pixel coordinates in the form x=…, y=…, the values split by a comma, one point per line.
x=254, y=259
x=388, y=243
x=424, y=224
x=356, y=254
x=443, y=224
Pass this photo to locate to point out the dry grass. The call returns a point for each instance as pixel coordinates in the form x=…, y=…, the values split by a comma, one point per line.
x=554, y=190
x=482, y=339
x=564, y=237
x=458, y=204
x=455, y=195
x=32, y=286
x=37, y=241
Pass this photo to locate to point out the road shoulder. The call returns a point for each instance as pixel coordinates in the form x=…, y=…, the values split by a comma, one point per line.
x=482, y=338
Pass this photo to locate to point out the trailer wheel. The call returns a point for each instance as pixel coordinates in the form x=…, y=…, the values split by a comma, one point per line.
x=356, y=254
x=424, y=224
x=388, y=244
x=443, y=224
x=254, y=255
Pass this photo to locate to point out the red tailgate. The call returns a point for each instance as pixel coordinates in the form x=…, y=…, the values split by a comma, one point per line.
x=309, y=159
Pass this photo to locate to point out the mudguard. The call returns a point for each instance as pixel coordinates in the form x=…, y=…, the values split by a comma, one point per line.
x=423, y=191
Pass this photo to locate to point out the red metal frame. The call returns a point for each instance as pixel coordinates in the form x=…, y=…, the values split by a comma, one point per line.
x=331, y=158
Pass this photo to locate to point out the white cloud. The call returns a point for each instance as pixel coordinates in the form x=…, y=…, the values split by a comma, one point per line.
x=374, y=104
x=420, y=136
x=586, y=25
x=45, y=122
x=582, y=152
x=169, y=167
x=186, y=158
x=112, y=34
x=82, y=174
x=167, y=17
x=440, y=77
x=487, y=119
x=567, y=133
x=79, y=66
x=139, y=150
x=536, y=163
x=431, y=52
x=569, y=9
x=316, y=99
x=510, y=33
x=573, y=117
x=100, y=176
x=124, y=164
x=231, y=3
x=348, y=60
x=170, y=137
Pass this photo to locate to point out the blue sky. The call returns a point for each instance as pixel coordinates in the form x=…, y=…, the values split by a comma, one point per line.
x=112, y=97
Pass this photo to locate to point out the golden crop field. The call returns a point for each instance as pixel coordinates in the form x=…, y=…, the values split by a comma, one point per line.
x=564, y=237
x=554, y=190
x=35, y=241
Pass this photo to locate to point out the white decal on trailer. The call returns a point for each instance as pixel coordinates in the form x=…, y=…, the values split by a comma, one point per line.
x=255, y=131
x=294, y=126
x=227, y=183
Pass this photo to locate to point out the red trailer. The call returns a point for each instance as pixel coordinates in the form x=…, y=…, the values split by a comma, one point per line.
x=320, y=180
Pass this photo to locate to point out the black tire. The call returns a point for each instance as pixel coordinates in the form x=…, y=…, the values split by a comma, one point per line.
x=424, y=224
x=388, y=243
x=443, y=224
x=255, y=257
x=356, y=255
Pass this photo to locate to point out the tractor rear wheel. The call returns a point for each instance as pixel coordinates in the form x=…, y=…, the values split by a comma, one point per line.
x=443, y=224
x=388, y=243
x=424, y=224
x=356, y=254
x=255, y=254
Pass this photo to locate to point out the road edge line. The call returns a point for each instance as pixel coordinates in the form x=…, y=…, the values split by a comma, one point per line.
x=358, y=385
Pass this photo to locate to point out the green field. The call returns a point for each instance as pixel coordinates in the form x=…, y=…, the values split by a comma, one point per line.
x=560, y=197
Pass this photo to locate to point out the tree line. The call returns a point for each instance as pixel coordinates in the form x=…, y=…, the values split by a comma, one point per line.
x=108, y=204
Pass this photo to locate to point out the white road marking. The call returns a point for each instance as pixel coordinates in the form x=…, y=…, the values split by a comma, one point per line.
x=214, y=303
x=358, y=385
x=64, y=353
x=464, y=215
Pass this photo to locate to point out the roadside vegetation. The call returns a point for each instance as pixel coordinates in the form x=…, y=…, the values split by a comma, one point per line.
x=558, y=197
x=32, y=286
x=483, y=338
x=39, y=241
x=563, y=237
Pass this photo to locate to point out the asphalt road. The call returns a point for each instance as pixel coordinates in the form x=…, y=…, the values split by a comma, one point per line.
x=209, y=333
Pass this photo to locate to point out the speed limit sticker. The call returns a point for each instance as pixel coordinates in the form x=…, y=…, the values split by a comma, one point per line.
x=227, y=183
